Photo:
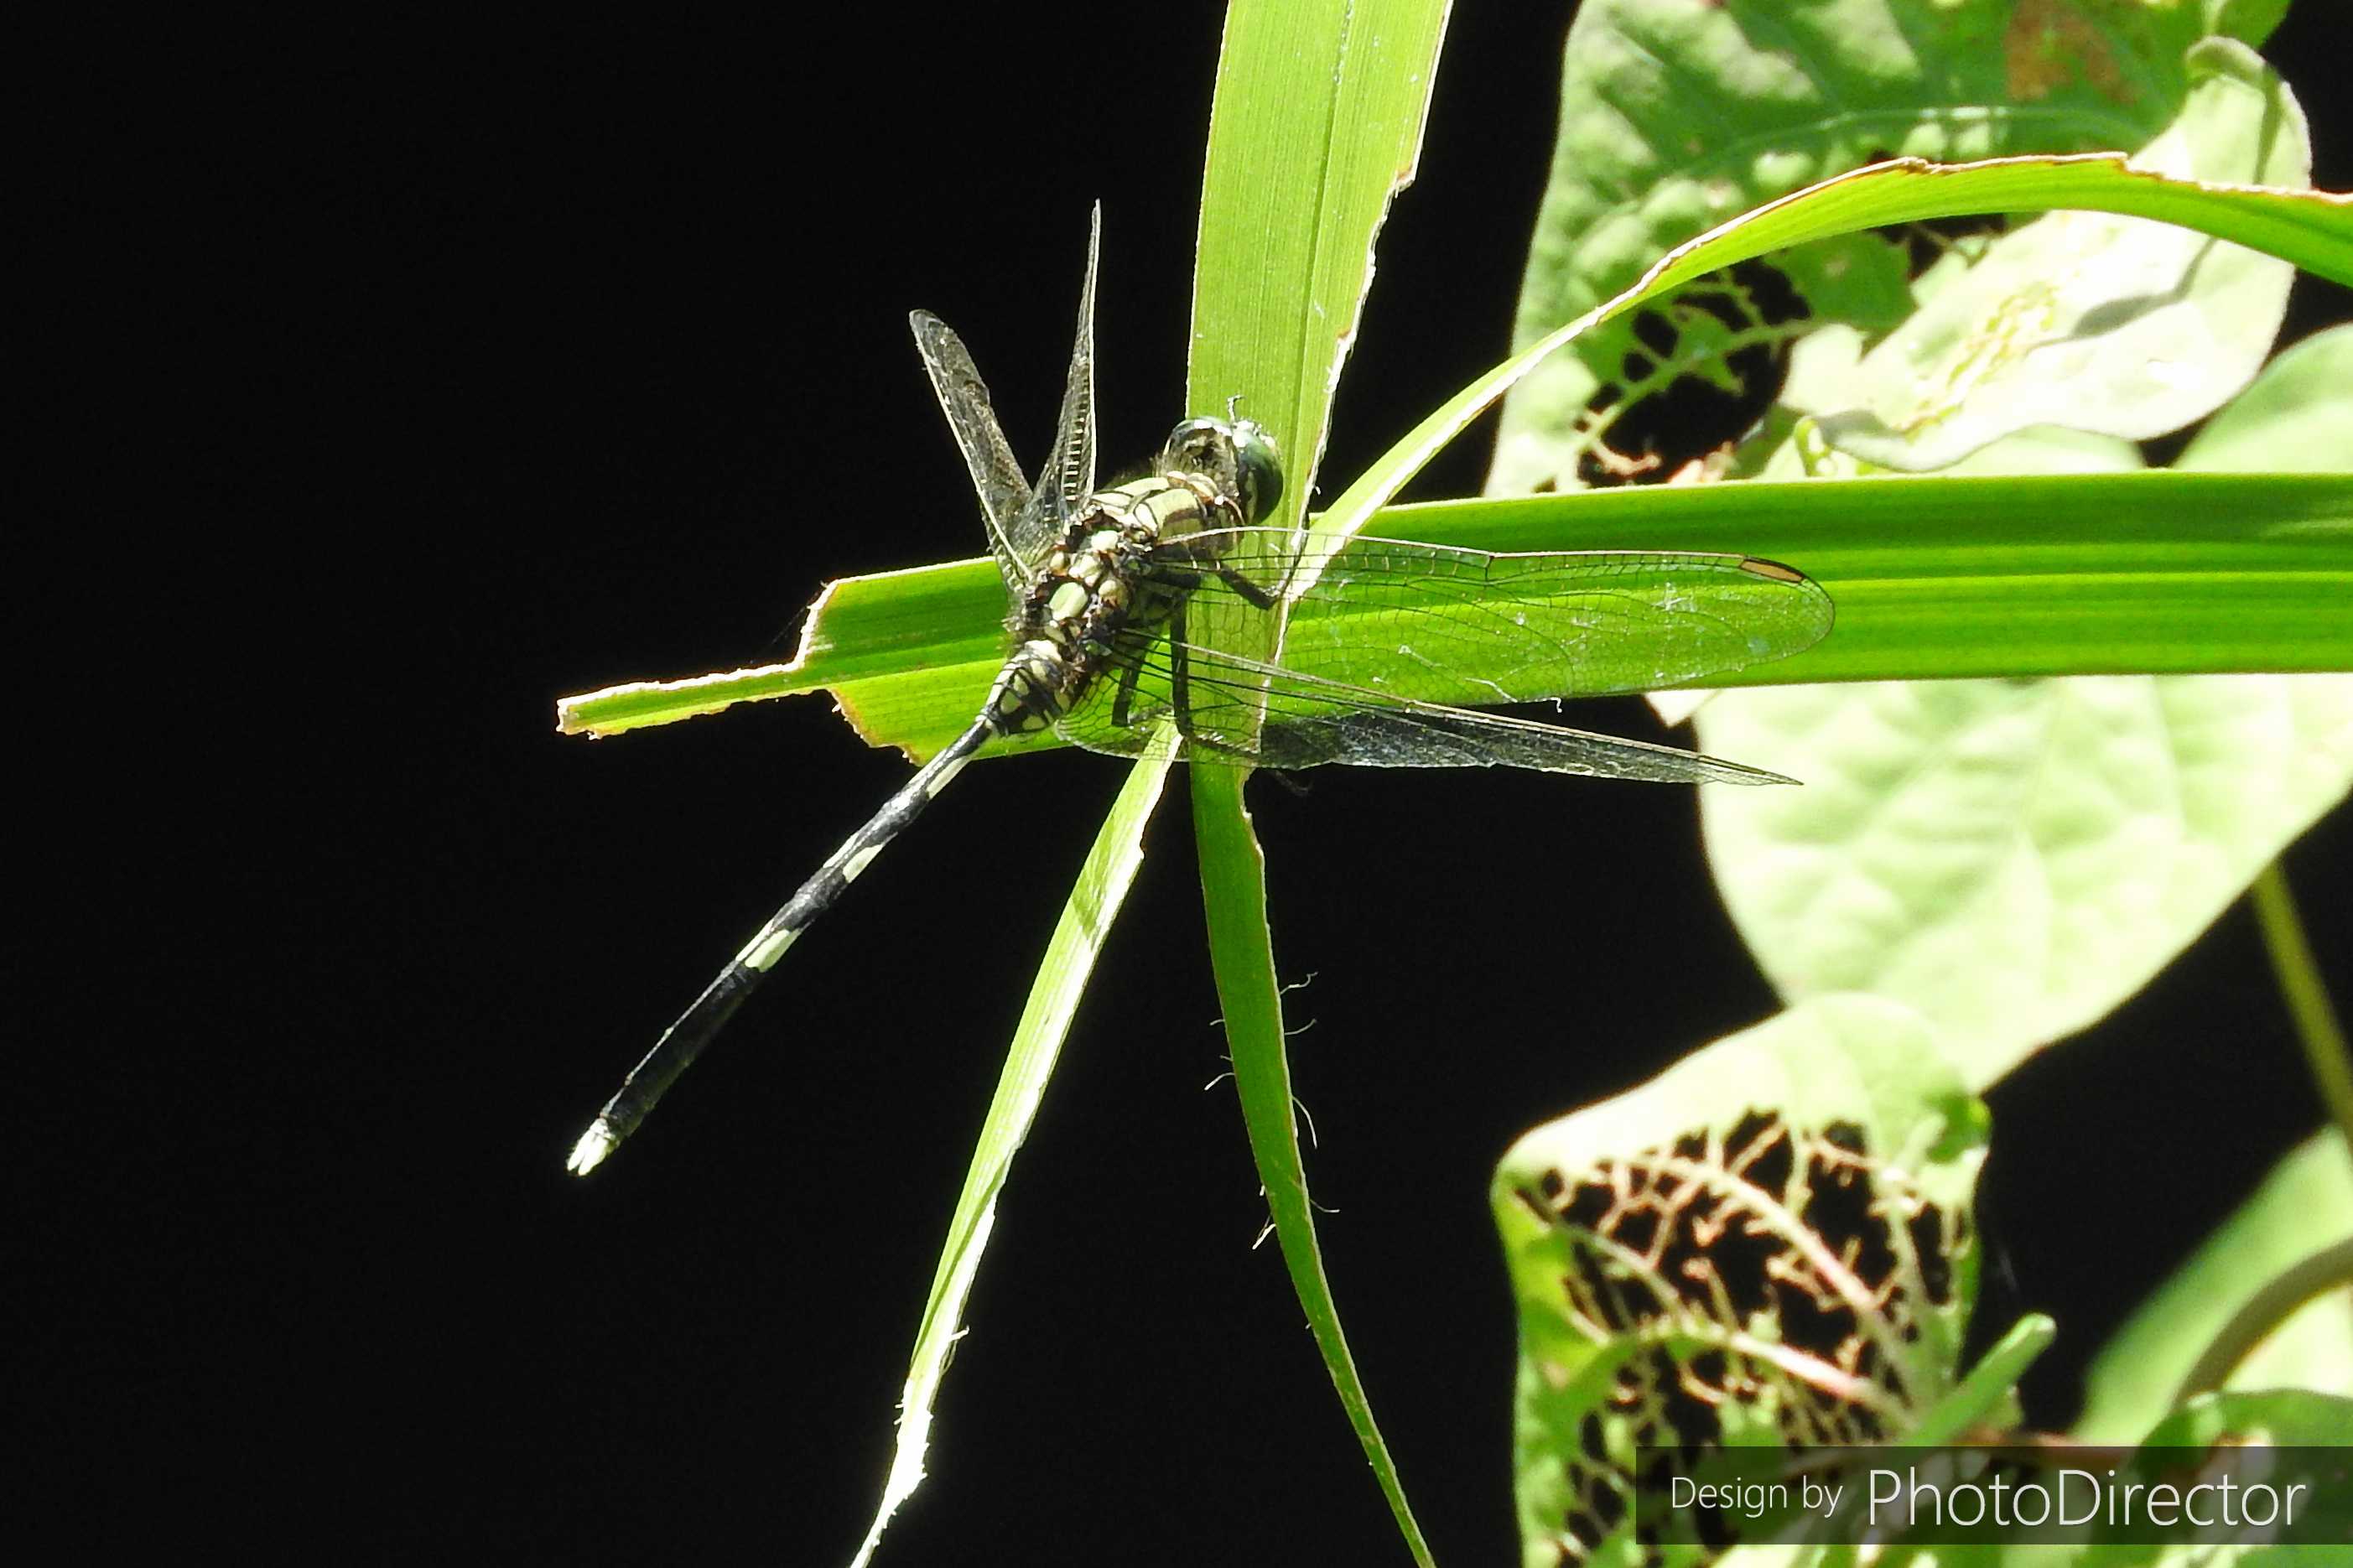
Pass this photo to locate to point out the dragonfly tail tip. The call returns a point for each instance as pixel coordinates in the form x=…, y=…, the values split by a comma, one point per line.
x=594, y=1146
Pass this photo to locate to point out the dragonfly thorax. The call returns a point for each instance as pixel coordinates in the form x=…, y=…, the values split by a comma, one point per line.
x=1095, y=584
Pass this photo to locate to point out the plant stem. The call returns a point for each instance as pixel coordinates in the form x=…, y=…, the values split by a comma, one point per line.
x=2324, y=1270
x=2307, y=998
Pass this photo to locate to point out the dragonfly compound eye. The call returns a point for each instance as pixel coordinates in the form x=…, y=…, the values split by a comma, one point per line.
x=1235, y=455
x=1259, y=467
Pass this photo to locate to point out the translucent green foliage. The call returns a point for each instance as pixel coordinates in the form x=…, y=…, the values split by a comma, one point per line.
x=1317, y=124
x=2090, y=320
x=1770, y=1244
x=2303, y=1206
x=2014, y=858
x=1676, y=117
x=1102, y=885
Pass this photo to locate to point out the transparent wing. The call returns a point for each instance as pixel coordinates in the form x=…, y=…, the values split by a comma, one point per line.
x=1069, y=475
x=1433, y=624
x=1387, y=635
x=1311, y=722
x=1024, y=523
x=996, y=477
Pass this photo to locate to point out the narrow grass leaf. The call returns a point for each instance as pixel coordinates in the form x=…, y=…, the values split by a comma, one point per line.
x=1318, y=122
x=1070, y=958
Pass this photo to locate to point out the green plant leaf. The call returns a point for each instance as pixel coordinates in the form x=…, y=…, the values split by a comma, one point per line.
x=2090, y=320
x=1770, y=1243
x=2285, y=1418
x=2016, y=858
x=2303, y=1206
x=2025, y=576
x=2293, y=416
x=2249, y=21
x=1078, y=938
x=1674, y=117
x=1317, y=125
x=2308, y=1431
x=2011, y=857
x=1987, y=1397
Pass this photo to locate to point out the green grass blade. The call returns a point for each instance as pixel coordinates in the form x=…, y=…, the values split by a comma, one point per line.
x=1318, y=124
x=1318, y=121
x=2312, y=228
x=2305, y=993
x=2036, y=575
x=1078, y=938
x=1233, y=889
x=2154, y=572
x=1979, y=1399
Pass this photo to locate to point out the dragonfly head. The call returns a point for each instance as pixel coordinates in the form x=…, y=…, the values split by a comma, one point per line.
x=1238, y=455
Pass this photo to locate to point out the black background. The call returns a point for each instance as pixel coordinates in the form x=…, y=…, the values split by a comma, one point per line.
x=433, y=376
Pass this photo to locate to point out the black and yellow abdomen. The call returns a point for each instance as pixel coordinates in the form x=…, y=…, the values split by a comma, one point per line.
x=1094, y=585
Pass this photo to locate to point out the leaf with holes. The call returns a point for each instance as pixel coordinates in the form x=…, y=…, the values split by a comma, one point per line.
x=1674, y=118
x=1770, y=1243
x=2089, y=320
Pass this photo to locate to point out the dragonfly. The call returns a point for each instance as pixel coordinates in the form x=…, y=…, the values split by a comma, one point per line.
x=1125, y=599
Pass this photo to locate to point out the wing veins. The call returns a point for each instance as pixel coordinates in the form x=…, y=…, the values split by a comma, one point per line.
x=996, y=478
x=1352, y=721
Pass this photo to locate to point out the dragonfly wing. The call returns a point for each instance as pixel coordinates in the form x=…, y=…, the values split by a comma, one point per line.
x=1303, y=730
x=1434, y=624
x=1069, y=475
x=997, y=477
x=1212, y=700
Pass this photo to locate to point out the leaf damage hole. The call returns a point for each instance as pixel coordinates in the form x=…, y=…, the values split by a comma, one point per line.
x=1763, y=1282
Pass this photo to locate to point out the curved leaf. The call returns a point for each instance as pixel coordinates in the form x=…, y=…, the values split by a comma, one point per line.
x=1077, y=938
x=1770, y=1243
x=2089, y=320
x=2012, y=858
x=1675, y=117
x=1318, y=122
x=2303, y=1206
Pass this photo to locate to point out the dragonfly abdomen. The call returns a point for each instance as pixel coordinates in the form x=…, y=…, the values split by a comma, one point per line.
x=684, y=1040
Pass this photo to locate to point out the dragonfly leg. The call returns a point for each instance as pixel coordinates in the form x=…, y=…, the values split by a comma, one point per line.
x=1185, y=581
x=1179, y=691
x=1125, y=695
x=1180, y=696
x=1258, y=598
